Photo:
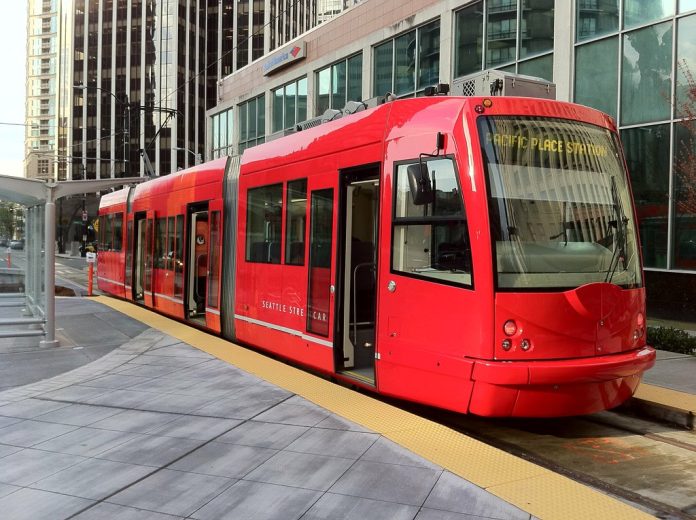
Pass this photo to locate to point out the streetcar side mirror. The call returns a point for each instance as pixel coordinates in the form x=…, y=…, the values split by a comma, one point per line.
x=419, y=183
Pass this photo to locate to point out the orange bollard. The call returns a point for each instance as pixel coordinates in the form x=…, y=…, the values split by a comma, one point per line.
x=9, y=258
x=90, y=279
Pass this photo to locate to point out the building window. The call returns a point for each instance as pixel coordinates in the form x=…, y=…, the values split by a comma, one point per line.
x=252, y=122
x=596, y=81
x=339, y=83
x=289, y=105
x=497, y=42
x=407, y=64
x=222, y=124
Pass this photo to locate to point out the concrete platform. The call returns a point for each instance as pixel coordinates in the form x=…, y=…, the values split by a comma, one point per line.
x=181, y=424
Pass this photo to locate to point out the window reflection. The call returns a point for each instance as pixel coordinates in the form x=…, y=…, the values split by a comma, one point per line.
x=596, y=17
x=684, y=243
x=647, y=156
x=637, y=12
x=596, y=79
x=647, y=63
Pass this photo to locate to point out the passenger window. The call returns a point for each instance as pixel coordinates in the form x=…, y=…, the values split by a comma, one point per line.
x=118, y=231
x=214, y=274
x=179, y=258
x=107, y=232
x=264, y=224
x=296, y=203
x=170, y=244
x=431, y=240
x=160, y=237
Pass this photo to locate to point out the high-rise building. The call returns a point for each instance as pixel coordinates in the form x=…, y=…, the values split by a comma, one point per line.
x=114, y=85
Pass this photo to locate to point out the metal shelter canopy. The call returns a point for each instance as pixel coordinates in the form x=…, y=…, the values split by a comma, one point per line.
x=39, y=197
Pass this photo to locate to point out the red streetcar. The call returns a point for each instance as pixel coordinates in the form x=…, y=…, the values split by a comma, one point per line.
x=475, y=254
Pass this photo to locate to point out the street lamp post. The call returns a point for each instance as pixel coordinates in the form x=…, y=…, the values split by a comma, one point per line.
x=197, y=158
x=125, y=106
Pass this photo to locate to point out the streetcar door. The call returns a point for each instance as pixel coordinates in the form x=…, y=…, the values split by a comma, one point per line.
x=212, y=290
x=197, y=263
x=359, y=211
x=142, y=274
x=321, y=284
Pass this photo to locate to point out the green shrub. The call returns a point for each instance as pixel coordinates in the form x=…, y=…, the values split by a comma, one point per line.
x=671, y=339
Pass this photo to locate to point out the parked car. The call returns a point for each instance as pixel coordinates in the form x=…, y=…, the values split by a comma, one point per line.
x=17, y=244
x=4, y=242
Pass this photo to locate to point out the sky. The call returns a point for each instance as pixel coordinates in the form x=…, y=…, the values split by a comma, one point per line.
x=13, y=44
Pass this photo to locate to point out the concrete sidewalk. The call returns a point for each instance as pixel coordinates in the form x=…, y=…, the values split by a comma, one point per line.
x=157, y=429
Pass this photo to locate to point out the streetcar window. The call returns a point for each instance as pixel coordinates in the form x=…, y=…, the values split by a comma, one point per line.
x=560, y=208
x=170, y=244
x=179, y=257
x=102, y=225
x=107, y=232
x=118, y=231
x=295, y=222
x=160, y=240
x=264, y=224
x=214, y=276
x=431, y=239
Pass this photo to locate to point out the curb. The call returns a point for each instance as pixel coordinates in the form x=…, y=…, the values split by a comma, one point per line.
x=663, y=404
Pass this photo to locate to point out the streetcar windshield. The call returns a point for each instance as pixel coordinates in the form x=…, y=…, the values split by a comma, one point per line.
x=560, y=208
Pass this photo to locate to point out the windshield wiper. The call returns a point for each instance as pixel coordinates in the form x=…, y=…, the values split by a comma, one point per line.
x=620, y=224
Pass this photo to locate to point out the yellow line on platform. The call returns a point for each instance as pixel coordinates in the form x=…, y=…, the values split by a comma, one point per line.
x=530, y=487
x=667, y=397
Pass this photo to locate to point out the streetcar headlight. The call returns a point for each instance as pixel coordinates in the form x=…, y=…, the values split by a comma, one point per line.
x=525, y=344
x=507, y=344
x=509, y=328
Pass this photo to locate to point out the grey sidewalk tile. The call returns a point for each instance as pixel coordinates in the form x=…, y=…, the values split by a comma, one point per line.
x=452, y=493
x=303, y=470
x=32, y=504
x=392, y=483
x=258, y=501
x=6, y=489
x=28, y=466
x=147, y=370
x=263, y=435
x=6, y=450
x=332, y=506
x=106, y=511
x=6, y=421
x=75, y=393
x=263, y=391
x=179, y=349
x=115, y=381
x=87, y=442
x=172, y=492
x=78, y=414
x=137, y=421
x=390, y=452
x=350, y=445
x=196, y=427
x=293, y=414
x=171, y=361
x=94, y=478
x=28, y=433
x=30, y=408
x=163, y=386
x=436, y=514
x=151, y=450
x=176, y=403
x=336, y=422
x=123, y=398
x=224, y=460
x=229, y=408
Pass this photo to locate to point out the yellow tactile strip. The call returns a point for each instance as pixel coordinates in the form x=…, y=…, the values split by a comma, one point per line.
x=534, y=489
x=667, y=397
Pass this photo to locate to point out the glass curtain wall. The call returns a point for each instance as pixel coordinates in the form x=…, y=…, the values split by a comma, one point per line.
x=339, y=83
x=512, y=35
x=407, y=64
x=636, y=61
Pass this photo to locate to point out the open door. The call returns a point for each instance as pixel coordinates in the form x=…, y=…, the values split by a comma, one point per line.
x=360, y=218
x=197, y=262
x=212, y=290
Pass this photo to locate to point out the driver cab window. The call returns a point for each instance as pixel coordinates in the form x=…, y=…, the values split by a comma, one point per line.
x=430, y=237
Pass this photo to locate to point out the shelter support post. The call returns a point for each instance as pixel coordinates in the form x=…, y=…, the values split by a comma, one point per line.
x=50, y=274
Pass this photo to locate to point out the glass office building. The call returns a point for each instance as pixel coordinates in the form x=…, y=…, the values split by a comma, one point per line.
x=633, y=59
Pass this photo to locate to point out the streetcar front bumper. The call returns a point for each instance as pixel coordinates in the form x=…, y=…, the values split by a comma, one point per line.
x=557, y=387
